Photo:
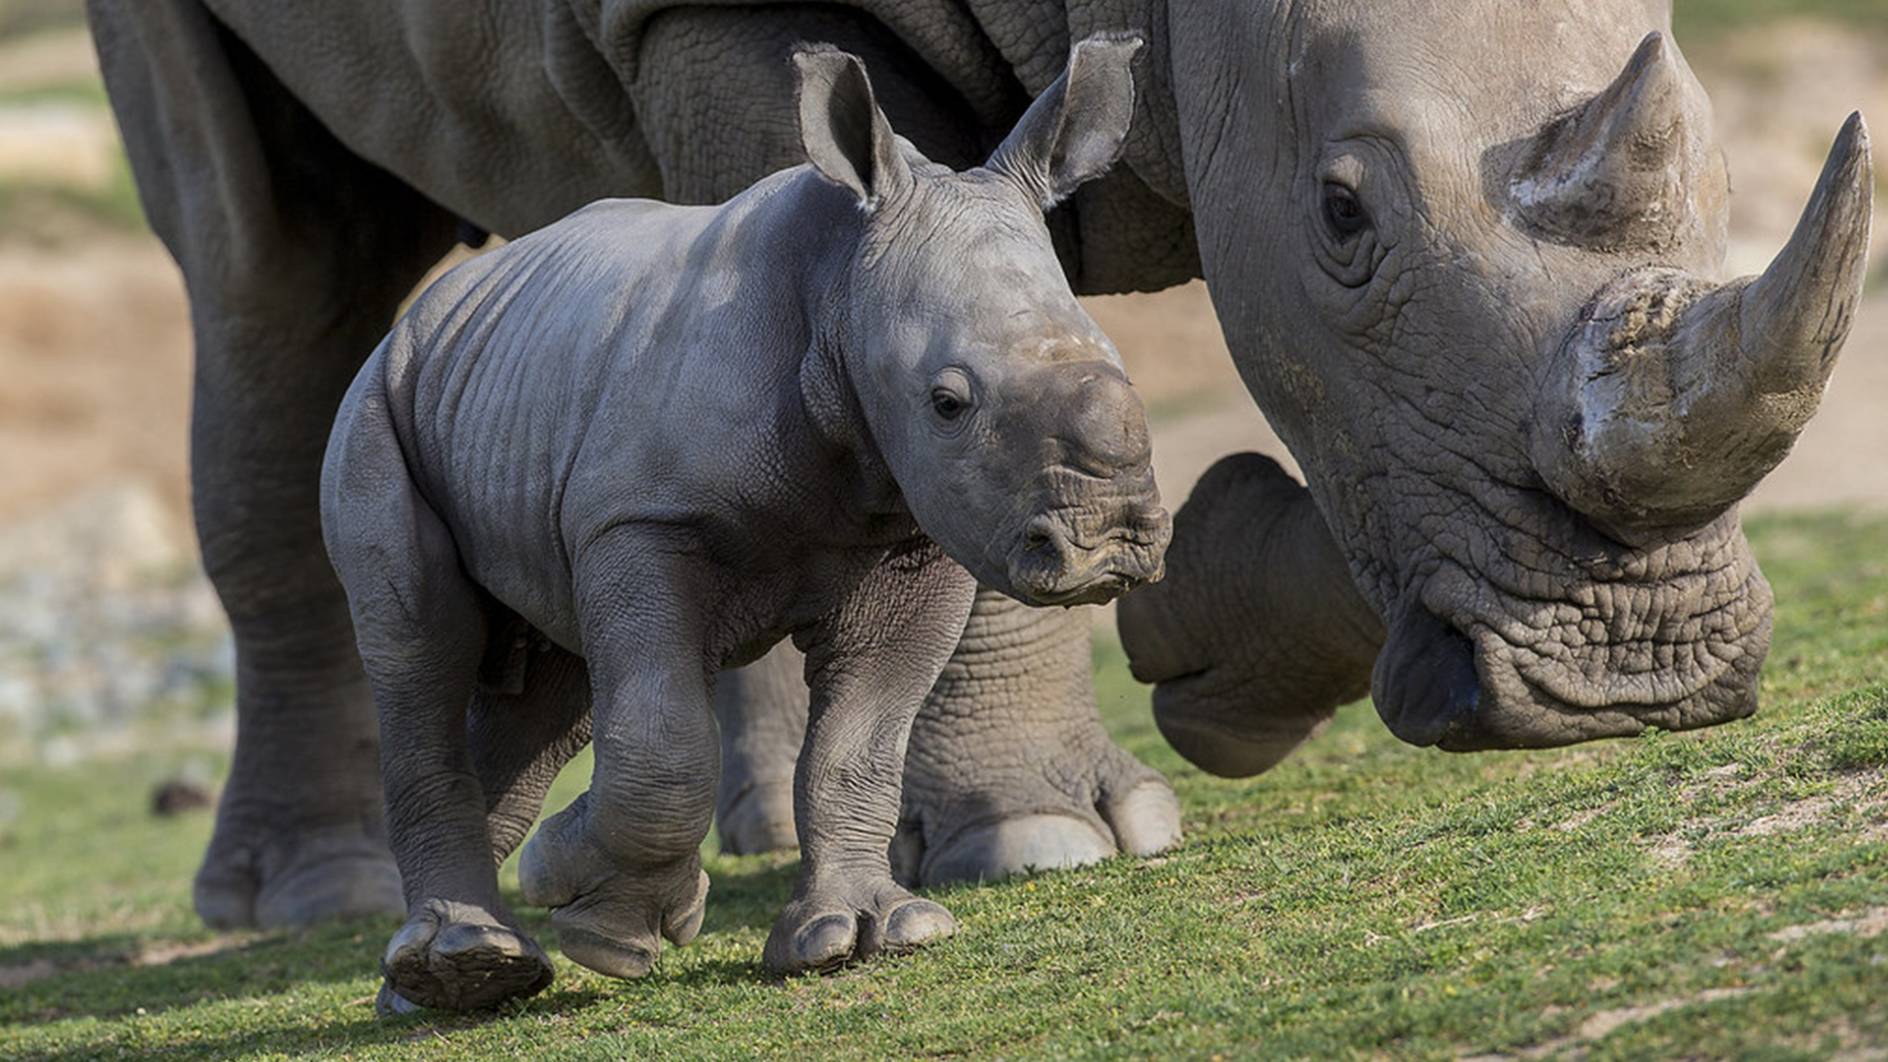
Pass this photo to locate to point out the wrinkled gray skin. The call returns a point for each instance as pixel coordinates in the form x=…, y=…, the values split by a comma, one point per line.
x=1424, y=366
x=655, y=440
x=1485, y=320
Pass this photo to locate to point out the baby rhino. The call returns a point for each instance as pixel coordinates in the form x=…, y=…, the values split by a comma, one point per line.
x=593, y=468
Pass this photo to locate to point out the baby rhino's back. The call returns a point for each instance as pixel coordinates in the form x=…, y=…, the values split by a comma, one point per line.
x=591, y=349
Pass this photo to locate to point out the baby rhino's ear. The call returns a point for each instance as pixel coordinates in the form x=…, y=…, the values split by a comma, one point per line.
x=847, y=138
x=1075, y=129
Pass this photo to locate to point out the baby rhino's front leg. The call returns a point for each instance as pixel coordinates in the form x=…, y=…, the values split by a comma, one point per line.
x=869, y=664
x=621, y=866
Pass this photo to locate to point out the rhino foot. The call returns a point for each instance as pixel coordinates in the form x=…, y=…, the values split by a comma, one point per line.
x=1043, y=829
x=1028, y=825
x=1009, y=768
x=835, y=924
x=1258, y=633
x=285, y=877
x=610, y=917
x=458, y=956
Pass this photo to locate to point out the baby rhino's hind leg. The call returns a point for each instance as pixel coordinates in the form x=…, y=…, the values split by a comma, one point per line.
x=529, y=717
x=421, y=628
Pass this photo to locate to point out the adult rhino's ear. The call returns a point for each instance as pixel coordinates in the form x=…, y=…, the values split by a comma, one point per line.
x=847, y=138
x=1075, y=129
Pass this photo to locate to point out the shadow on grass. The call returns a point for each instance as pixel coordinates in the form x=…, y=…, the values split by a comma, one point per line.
x=28, y=962
x=111, y=976
x=107, y=993
x=352, y=1034
x=359, y=1028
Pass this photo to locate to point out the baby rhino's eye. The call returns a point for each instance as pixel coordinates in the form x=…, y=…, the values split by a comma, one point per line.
x=947, y=404
x=950, y=394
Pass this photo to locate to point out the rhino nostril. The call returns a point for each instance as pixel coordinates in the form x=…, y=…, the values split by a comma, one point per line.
x=1041, y=534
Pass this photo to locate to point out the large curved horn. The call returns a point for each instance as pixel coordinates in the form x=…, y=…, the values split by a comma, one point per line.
x=1673, y=396
x=1792, y=320
x=1619, y=164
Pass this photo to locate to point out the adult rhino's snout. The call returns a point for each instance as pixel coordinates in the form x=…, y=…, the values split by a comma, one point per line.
x=1673, y=396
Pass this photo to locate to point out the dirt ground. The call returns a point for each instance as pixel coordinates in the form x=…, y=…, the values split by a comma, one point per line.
x=94, y=337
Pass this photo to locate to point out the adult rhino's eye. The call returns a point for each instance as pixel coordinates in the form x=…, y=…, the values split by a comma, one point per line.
x=1342, y=212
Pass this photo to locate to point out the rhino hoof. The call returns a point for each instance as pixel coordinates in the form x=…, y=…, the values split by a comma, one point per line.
x=823, y=933
x=456, y=956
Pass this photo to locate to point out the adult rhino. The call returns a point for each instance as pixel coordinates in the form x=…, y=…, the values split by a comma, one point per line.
x=1464, y=255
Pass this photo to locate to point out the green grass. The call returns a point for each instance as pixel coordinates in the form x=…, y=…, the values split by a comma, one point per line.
x=1366, y=897
x=1692, y=19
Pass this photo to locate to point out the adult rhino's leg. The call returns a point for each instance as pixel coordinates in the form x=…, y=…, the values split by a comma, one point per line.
x=1009, y=768
x=761, y=709
x=295, y=254
x=716, y=97
x=1257, y=634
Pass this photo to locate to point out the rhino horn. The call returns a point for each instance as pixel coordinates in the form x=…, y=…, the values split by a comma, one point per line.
x=1621, y=160
x=1676, y=396
x=1792, y=319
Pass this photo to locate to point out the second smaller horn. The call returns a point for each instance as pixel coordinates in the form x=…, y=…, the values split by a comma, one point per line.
x=1616, y=169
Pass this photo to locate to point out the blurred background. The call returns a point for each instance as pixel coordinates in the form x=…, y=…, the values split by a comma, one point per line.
x=112, y=647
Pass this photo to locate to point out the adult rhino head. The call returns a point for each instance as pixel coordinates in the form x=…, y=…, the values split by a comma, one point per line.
x=1466, y=257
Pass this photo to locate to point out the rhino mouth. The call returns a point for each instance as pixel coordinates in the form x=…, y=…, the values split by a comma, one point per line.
x=1089, y=553
x=1052, y=567
x=1631, y=640
x=1426, y=685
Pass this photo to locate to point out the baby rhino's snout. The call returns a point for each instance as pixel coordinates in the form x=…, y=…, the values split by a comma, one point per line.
x=1098, y=529
x=1053, y=566
x=1109, y=433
